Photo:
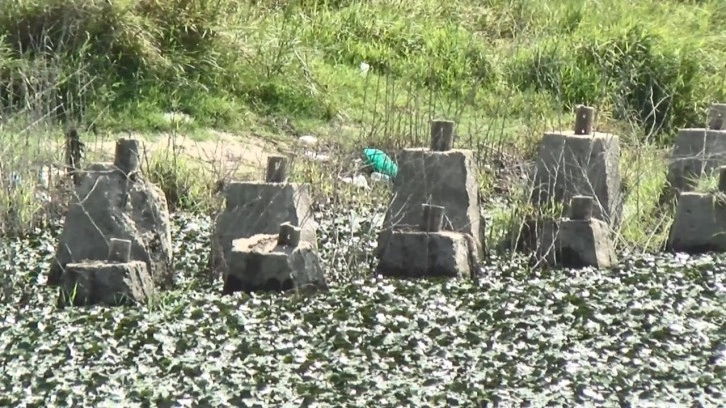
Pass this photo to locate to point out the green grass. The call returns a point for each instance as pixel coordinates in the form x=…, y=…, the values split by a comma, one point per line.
x=504, y=70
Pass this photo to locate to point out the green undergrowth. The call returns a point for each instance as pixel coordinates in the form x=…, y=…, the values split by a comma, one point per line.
x=229, y=63
x=505, y=71
x=647, y=333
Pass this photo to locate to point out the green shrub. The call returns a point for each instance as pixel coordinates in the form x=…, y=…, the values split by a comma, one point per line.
x=185, y=184
x=647, y=80
x=130, y=56
x=655, y=84
x=441, y=57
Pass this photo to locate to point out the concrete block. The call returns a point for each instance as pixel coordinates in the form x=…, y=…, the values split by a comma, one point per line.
x=414, y=254
x=115, y=200
x=582, y=240
x=111, y=284
x=267, y=262
x=445, y=179
x=570, y=164
x=697, y=152
x=585, y=243
x=700, y=224
x=253, y=208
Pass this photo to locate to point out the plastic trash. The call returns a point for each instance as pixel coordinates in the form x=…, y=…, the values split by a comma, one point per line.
x=358, y=180
x=376, y=176
x=308, y=140
x=380, y=162
x=44, y=177
x=321, y=157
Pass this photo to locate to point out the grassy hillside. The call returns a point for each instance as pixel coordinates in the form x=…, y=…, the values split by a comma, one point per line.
x=504, y=70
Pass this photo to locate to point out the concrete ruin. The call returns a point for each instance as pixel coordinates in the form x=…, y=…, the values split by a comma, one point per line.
x=698, y=152
x=115, y=200
x=438, y=175
x=429, y=251
x=584, y=241
x=700, y=221
x=281, y=263
x=579, y=162
x=253, y=208
x=113, y=282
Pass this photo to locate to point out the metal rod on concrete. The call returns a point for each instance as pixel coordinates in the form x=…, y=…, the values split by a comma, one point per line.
x=119, y=250
x=442, y=135
x=289, y=235
x=581, y=208
x=74, y=152
x=722, y=179
x=717, y=116
x=127, y=158
x=584, y=119
x=432, y=218
x=276, y=169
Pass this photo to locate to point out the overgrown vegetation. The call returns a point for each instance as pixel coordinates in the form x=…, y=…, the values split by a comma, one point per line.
x=504, y=70
x=648, y=333
x=360, y=73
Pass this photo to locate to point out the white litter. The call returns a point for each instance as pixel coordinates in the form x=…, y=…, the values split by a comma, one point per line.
x=309, y=140
x=357, y=180
x=364, y=68
x=321, y=157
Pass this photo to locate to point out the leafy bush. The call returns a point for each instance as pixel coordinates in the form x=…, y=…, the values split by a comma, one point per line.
x=635, y=72
x=85, y=58
x=186, y=185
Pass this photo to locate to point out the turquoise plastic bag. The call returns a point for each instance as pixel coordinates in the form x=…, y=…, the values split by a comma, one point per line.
x=380, y=162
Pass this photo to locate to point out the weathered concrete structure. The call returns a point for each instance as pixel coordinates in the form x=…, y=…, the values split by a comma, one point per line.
x=267, y=262
x=438, y=176
x=115, y=200
x=698, y=152
x=253, y=208
x=579, y=162
x=700, y=222
x=583, y=240
x=427, y=251
x=116, y=281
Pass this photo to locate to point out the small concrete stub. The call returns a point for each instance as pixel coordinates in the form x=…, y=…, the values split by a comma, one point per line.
x=584, y=243
x=416, y=254
x=279, y=262
x=111, y=284
x=583, y=240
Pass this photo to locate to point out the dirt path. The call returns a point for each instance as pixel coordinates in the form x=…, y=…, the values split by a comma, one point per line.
x=223, y=153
